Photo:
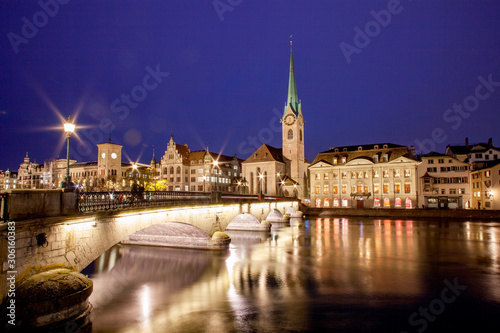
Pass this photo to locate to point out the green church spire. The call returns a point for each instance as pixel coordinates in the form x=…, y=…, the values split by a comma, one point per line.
x=292, y=99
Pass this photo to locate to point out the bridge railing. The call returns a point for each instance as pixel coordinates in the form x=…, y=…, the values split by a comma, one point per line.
x=95, y=201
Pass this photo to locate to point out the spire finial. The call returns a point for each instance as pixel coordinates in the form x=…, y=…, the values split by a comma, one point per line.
x=291, y=40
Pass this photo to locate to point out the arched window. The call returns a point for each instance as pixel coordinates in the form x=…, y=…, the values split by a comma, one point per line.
x=290, y=134
x=171, y=170
x=300, y=135
x=178, y=170
x=164, y=171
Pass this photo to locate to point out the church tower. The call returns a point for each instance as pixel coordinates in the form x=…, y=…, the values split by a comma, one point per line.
x=293, y=132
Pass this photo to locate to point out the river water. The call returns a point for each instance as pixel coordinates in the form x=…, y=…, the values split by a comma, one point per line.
x=316, y=275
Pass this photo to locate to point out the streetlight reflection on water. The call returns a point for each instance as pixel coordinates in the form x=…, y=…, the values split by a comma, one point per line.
x=316, y=269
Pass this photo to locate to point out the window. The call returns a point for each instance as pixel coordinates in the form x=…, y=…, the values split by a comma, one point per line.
x=335, y=160
x=396, y=173
x=326, y=189
x=366, y=189
x=353, y=174
x=344, y=202
x=397, y=188
x=353, y=189
x=325, y=176
x=430, y=161
x=376, y=202
x=384, y=158
x=343, y=159
x=193, y=179
x=300, y=135
x=386, y=188
x=318, y=202
x=375, y=174
x=360, y=174
x=443, y=191
x=487, y=173
x=290, y=134
x=453, y=191
x=344, y=175
x=327, y=203
x=335, y=175
x=407, y=173
x=317, y=189
x=479, y=155
x=397, y=202
x=441, y=160
x=344, y=189
x=409, y=204
x=335, y=202
x=376, y=188
x=387, y=202
x=407, y=188
x=386, y=174
x=335, y=189
x=461, y=191
x=317, y=177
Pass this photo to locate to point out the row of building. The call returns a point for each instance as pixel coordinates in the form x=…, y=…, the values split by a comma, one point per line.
x=368, y=175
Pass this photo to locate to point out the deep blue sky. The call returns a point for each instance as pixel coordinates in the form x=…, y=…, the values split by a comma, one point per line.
x=226, y=76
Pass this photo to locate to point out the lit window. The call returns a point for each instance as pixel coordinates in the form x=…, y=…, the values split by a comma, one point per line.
x=386, y=188
x=387, y=202
x=326, y=189
x=397, y=188
x=317, y=189
x=327, y=203
x=326, y=176
x=344, y=189
x=376, y=188
x=335, y=189
x=335, y=202
x=318, y=202
x=344, y=202
x=397, y=202
x=409, y=203
x=318, y=176
x=407, y=188
x=353, y=189
x=376, y=202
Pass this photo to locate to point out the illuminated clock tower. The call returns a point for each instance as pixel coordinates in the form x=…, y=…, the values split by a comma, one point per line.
x=293, y=134
x=109, y=161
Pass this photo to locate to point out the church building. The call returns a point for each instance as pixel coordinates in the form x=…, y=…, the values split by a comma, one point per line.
x=282, y=171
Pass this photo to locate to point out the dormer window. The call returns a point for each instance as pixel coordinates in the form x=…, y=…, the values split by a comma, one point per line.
x=336, y=150
x=386, y=146
x=343, y=159
x=375, y=158
x=375, y=147
x=360, y=148
x=345, y=149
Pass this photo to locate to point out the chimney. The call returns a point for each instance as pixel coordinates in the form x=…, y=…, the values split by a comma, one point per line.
x=467, y=142
x=490, y=142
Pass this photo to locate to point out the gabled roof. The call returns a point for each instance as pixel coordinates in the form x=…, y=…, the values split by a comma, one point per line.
x=363, y=147
x=320, y=162
x=266, y=153
x=434, y=154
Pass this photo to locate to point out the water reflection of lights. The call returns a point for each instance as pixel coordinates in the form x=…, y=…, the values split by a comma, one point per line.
x=145, y=295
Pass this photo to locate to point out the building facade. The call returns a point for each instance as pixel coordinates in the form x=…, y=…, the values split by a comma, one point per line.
x=198, y=171
x=366, y=176
x=8, y=180
x=477, y=155
x=444, y=182
x=485, y=186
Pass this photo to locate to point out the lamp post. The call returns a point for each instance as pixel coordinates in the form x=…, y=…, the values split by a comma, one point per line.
x=69, y=128
x=280, y=181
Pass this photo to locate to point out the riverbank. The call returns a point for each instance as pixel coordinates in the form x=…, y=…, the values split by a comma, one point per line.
x=455, y=214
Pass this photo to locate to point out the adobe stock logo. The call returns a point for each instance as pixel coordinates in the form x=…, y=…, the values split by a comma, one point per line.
x=426, y=315
x=30, y=29
x=372, y=29
x=222, y=6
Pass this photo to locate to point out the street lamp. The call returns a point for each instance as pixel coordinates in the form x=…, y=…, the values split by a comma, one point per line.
x=69, y=128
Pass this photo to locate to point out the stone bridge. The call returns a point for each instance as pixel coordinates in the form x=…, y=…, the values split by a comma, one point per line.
x=69, y=238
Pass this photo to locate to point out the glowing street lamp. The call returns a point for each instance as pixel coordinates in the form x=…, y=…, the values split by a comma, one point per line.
x=69, y=128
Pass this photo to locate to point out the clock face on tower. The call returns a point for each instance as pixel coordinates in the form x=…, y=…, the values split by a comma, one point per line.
x=103, y=155
x=289, y=120
x=113, y=156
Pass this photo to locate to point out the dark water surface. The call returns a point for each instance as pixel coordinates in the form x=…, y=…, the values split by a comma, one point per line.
x=318, y=275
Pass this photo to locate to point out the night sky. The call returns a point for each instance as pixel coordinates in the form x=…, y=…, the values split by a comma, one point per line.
x=217, y=72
